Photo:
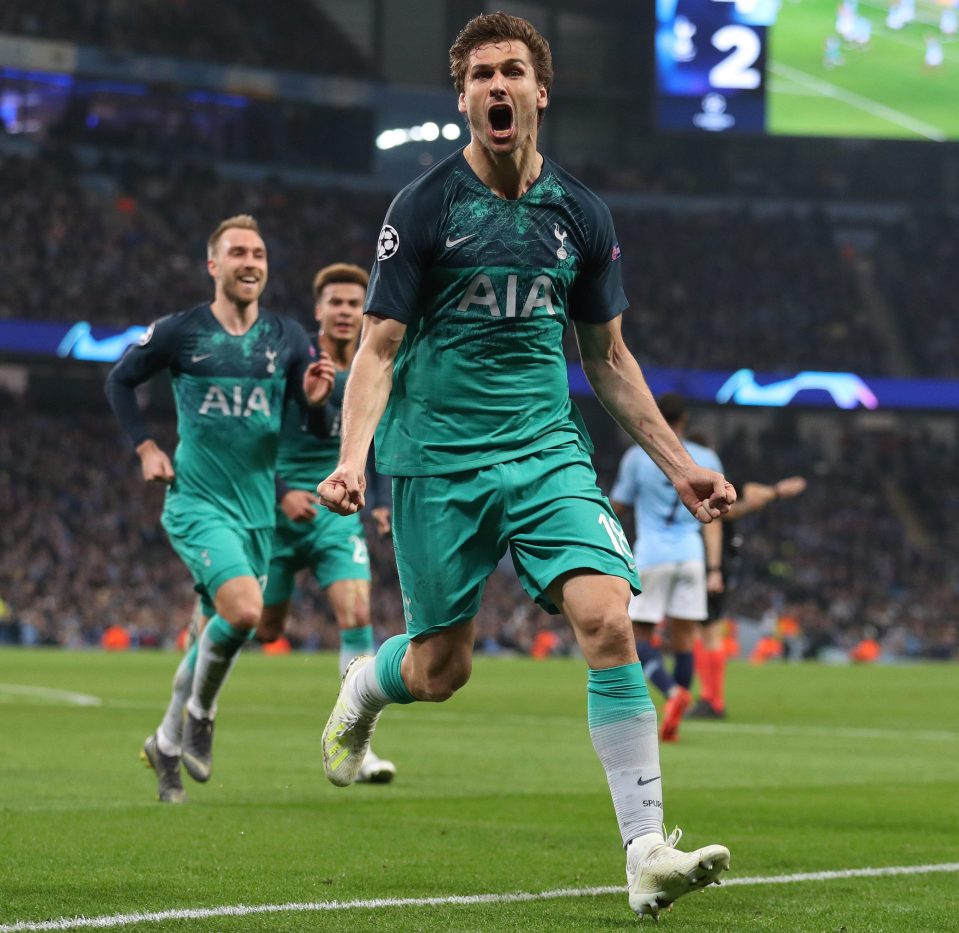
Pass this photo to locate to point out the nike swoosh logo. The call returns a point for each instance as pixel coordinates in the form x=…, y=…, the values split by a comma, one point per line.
x=641, y=782
x=196, y=358
x=451, y=243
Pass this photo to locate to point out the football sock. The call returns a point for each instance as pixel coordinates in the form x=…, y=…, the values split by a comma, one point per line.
x=218, y=648
x=170, y=733
x=653, y=667
x=622, y=726
x=354, y=642
x=683, y=669
x=386, y=670
x=378, y=684
x=716, y=661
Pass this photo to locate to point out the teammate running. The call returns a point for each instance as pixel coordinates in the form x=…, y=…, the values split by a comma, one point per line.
x=481, y=264
x=333, y=547
x=233, y=365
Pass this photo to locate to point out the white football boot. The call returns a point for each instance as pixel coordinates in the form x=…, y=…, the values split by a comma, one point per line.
x=375, y=770
x=658, y=873
x=346, y=738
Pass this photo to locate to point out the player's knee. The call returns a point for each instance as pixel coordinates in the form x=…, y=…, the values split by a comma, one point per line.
x=361, y=614
x=608, y=632
x=439, y=685
x=244, y=615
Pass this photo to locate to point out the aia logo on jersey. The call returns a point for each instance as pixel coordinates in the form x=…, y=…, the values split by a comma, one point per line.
x=502, y=296
x=387, y=244
x=235, y=404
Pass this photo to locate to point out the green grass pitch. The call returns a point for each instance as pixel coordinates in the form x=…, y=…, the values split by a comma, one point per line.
x=819, y=769
x=880, y=91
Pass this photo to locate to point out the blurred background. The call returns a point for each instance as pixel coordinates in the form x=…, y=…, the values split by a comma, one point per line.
x=784, y=179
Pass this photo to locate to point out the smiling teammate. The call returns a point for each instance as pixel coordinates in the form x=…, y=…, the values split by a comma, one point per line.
x=333, y=547
x=482, y=263
x=233, y=365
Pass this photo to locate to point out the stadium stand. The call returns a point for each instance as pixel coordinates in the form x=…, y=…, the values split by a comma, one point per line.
x=85, y=548
x=239, y=32
x=712, y=288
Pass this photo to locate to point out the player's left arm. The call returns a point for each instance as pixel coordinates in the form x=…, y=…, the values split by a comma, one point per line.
x=621, y=387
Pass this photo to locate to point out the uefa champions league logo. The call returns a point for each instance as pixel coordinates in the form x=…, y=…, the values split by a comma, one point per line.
x=387, y=244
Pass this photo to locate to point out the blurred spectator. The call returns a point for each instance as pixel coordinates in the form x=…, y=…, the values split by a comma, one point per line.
x=234, y=32
x=83, y=548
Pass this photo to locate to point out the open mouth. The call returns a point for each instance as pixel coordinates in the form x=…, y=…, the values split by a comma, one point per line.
x=500, y=118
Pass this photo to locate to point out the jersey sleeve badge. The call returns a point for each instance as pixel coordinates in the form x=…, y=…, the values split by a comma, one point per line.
x=388, y=243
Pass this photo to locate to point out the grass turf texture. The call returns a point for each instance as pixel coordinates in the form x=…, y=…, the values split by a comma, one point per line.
x=890, y=72
x=498, y=791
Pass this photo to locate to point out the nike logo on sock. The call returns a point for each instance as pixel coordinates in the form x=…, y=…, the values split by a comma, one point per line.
x=641, y=782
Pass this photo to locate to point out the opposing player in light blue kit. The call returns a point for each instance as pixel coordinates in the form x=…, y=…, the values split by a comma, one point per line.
x=679, y=561
x=481, y=265
x=333, y=547
x=233, y=367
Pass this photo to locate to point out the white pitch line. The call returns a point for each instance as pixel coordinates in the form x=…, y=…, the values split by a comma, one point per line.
x=49, y=693
x=245, y=910
x=858, y=101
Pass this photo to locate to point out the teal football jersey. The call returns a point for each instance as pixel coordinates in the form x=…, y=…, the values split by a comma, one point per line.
x=487, y=287
x=310, y=448
x=230, y=393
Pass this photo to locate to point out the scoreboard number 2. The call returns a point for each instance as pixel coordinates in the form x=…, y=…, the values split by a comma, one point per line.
x=736, y=69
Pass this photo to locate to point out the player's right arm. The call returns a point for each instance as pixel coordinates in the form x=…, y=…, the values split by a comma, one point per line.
x=367, y=391
x=151, y=354
x=403, y=249
x=621, y=388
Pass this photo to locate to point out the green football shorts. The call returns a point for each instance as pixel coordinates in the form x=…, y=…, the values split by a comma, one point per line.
x=216, y=550
x=451, y=531
x=332, y=546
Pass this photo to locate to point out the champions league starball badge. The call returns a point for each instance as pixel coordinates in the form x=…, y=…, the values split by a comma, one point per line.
x=387, y=244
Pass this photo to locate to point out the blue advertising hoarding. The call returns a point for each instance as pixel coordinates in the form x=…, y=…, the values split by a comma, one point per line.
x=743, y=387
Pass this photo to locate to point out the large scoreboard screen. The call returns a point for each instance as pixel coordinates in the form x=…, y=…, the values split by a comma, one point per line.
x=868, y=68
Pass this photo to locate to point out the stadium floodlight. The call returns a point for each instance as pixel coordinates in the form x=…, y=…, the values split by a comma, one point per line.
x=427, y=133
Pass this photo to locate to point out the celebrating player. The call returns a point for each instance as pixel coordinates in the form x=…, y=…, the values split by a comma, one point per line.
x=233, y=365
x=670, y=557
x=332, y=546
x=481, y=264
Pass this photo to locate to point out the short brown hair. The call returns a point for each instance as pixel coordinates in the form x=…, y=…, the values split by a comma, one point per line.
x=491, y=28
x=339, y=273
x=238, y=222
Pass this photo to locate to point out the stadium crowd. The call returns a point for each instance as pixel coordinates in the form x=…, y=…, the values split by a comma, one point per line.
x=716, y=288
x=918, y=263
x=83, y=547
x=234, y=32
